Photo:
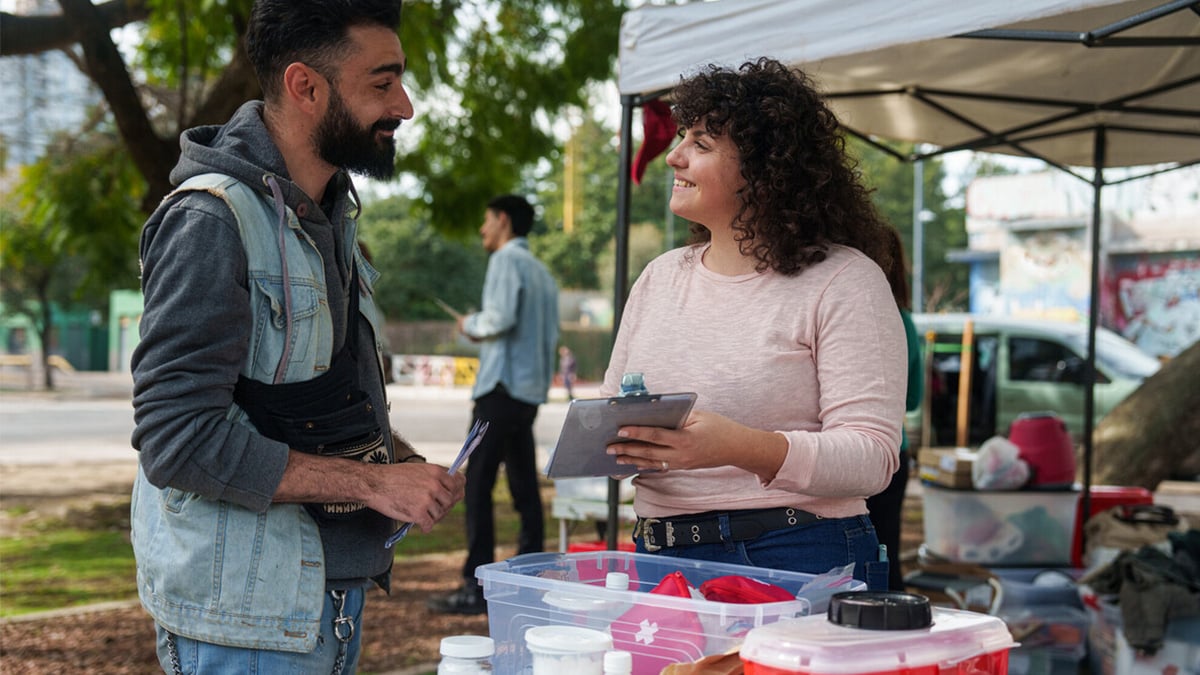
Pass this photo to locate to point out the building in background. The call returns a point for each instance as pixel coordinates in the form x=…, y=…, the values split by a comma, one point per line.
x=43, y=94
x=1029, y=253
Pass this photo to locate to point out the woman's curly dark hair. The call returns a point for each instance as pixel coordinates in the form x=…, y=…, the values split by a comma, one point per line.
x=802, y=192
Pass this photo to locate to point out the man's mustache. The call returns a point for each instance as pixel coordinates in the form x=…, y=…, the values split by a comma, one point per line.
x=386, y=125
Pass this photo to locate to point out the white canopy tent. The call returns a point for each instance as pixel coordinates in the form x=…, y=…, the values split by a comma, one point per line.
x=1076, y=83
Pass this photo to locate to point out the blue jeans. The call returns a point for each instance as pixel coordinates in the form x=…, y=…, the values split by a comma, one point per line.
x=815, y=548
x=205, y=657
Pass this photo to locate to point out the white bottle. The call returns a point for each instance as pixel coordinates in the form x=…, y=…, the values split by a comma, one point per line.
x=618, y=663
x=466, y=655
x=616, y=581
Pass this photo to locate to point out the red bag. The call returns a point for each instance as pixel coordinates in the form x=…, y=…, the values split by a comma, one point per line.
x=743, y=590
x=660, y=636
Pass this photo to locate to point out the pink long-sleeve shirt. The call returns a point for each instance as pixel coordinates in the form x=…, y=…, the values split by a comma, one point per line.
x=819, y=357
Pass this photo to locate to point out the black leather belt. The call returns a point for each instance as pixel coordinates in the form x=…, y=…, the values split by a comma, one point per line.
x=705, y=528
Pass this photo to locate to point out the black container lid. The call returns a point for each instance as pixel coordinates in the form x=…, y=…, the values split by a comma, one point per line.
x=880, y=610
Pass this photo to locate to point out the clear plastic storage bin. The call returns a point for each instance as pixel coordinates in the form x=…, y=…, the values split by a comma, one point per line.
x=1002, y=528
x=540, y=589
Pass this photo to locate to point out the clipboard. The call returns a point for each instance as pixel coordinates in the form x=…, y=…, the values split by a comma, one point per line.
x=592, y=424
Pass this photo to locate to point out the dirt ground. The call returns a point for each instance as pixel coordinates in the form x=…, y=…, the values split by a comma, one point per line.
x=401, y=635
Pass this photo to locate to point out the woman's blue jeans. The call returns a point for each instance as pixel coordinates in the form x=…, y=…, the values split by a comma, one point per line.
x=205, y=657
x=814, y=549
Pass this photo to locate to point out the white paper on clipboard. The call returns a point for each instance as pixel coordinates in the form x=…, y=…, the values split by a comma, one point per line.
x=592, y=424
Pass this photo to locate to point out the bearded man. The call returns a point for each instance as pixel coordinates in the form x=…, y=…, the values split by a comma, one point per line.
x=269, y=475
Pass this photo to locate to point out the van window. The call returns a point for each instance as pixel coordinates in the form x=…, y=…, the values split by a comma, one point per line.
x=1037, y=360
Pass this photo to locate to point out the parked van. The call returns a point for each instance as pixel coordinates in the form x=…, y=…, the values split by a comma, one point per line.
x=1021, y=365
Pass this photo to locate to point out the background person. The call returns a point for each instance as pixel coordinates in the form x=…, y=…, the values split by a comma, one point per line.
x=269, y=477
x=886, y=508
x=566, y=367
x=780, y=317
x=517, y=329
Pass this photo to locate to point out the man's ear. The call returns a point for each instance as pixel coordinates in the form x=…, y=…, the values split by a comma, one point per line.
x=506, y=224
x=305, y=87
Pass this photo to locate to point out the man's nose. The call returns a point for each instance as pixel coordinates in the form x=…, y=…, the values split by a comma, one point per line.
x=404, y=106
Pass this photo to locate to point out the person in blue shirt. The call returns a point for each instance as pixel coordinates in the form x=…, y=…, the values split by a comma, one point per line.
x=517, y=332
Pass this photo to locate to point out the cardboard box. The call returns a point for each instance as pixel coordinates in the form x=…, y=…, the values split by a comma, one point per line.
x=950, y=467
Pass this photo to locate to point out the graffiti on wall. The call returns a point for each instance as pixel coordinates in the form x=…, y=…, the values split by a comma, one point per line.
x=1154, y=300
x=1045, y=274
x=434, y=371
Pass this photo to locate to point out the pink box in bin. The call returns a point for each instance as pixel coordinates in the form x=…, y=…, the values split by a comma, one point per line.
x=540, y=589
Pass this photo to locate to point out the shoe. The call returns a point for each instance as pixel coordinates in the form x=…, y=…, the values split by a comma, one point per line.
x=467, y=599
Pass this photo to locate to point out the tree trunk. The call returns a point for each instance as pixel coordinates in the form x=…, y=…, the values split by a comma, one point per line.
x=45, y=327
x=1154, y=434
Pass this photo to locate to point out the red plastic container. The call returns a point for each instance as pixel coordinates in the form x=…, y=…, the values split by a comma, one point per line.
x=1105, y=497
x=955, y=642
x=1045, y=445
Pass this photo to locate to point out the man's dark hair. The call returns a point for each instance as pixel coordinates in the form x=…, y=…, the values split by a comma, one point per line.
x=313, y=32
x=520, y=213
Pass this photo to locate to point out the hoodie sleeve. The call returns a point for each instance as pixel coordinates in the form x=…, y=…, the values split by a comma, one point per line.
x=195, y=331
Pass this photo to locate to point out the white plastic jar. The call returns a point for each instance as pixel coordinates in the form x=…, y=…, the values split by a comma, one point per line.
x=559, y=649
x=466, y=655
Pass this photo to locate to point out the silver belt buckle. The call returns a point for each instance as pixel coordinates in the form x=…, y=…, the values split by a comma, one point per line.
x=646, y=526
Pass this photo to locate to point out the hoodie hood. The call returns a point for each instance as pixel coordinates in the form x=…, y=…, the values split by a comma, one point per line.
x=241, y=148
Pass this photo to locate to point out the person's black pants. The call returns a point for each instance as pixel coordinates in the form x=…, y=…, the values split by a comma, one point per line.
x=509, y=440
x=886, y=509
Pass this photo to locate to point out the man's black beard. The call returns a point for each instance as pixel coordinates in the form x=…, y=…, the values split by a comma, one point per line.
x=343, y=143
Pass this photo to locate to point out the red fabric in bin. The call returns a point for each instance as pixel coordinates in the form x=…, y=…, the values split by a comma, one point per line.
x=743, y=590
x=1104, y=497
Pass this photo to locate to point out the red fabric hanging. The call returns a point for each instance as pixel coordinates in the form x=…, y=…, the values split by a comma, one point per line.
x=658, y=130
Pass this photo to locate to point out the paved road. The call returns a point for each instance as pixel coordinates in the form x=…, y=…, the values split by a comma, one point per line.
x=89, y=420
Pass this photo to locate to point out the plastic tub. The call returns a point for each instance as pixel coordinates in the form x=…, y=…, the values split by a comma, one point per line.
x=956, y=643
x=1000, y=528
x=540, y=589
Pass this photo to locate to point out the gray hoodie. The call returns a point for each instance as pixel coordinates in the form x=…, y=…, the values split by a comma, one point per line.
x=195, y=332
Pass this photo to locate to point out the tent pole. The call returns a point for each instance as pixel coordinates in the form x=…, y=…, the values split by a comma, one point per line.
x=620, y=282
x=918, y=237
x=1089, y=395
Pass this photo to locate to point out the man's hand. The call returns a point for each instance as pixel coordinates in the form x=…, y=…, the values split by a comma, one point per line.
x=413, y=492
x=416, y=492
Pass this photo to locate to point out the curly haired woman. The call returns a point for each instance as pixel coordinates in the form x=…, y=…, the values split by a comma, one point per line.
x=779, y=316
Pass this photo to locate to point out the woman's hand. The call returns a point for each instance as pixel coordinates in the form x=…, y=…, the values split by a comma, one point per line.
x=704, y=441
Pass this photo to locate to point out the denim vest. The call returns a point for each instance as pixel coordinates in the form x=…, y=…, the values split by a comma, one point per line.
x=214, y=571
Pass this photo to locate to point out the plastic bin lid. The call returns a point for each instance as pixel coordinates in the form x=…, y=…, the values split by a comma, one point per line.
x=880, y=610
x=468, y=646
x=813, y=644
x=557, y=639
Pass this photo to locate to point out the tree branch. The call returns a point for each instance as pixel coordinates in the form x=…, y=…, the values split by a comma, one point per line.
x=22, y=35
x=236, y=85
x=153, y=156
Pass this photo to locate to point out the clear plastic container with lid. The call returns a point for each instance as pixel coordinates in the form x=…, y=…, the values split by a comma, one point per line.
x=466, y=655
x=573, y=650
x=880, y=633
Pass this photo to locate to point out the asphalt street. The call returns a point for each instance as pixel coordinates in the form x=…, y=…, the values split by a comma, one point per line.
x=89, y=419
